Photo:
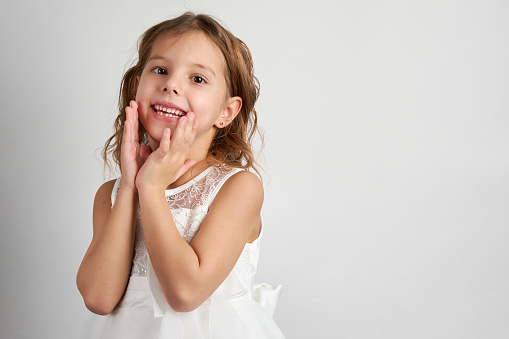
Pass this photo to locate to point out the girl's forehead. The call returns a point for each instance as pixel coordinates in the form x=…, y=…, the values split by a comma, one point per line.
x=190, y=45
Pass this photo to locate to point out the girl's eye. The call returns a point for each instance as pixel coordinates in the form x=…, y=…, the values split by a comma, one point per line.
x=159, y=70
x=198, y=79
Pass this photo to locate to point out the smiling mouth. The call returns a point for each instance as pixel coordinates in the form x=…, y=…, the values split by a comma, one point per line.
x=168, y=112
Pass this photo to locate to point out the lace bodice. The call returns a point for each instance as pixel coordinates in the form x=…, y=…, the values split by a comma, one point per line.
x=238, y=308
x=189, y=205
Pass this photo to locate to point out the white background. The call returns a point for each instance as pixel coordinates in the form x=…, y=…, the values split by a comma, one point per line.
x=386, y=159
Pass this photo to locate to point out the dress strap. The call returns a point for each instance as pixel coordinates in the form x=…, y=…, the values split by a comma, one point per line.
x=220, y=183
x=114, y=191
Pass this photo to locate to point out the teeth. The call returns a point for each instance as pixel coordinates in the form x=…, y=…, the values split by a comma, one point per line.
x=168, y=112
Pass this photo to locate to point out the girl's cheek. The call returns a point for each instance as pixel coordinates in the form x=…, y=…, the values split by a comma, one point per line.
x=142, y=118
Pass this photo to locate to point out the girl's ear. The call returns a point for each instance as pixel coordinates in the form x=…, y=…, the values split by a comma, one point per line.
x=230, y=111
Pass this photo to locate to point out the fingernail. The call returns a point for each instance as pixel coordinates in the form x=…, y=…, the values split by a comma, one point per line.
x=167, y=131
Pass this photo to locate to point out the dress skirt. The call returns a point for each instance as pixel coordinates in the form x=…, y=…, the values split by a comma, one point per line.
x=216, y=318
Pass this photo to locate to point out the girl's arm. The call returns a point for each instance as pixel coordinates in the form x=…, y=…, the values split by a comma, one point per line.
x=190, y=273
x=105, y=269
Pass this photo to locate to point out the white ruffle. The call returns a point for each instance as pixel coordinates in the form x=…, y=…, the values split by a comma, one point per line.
x=237, y=309
x=267, y=296
x=228, y=313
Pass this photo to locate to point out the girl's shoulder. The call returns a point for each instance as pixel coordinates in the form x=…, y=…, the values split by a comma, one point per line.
x=239, y=201
x=242, y=184
x=103, y=193
x=221, y=181
x=245, y=179
x=224, y=173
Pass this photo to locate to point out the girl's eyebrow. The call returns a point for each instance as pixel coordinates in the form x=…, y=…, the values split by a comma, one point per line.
x=208, y=69
x=156, y=57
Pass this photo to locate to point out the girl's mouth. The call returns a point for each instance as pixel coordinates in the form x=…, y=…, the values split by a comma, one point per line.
x=168, y=112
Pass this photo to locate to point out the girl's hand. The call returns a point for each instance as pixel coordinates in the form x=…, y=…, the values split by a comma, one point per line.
x=131, y=154
x=166, y=164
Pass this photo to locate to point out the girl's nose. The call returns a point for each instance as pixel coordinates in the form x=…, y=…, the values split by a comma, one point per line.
x=173, y=90
x=172, y=86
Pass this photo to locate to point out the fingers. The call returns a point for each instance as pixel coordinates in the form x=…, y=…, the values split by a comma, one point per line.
x=128, y=133
x=130, y=141
x=131, y=112
x=128, y=130
x=192, y=125
x=164, y=145
x=134, y=107
x=170, y=160
x=130, y=146
x=184, y=136
x=185, y=132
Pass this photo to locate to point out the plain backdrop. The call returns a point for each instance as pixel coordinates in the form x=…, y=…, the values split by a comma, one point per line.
x=386, y=158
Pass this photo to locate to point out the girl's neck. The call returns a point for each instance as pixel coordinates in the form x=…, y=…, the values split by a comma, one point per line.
x=199, y=152
x=190, y=174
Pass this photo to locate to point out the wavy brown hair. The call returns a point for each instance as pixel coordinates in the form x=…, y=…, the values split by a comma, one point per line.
x=232, y=144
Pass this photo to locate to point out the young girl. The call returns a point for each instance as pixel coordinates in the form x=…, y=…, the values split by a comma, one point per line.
x=176, y=238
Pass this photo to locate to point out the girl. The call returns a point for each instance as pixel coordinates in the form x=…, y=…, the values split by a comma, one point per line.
x=176, y=239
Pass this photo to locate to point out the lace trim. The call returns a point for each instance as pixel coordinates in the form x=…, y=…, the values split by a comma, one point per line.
x=188, y=206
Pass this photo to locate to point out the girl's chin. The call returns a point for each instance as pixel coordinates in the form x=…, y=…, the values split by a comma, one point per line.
x=156, y=135
x=153, y=142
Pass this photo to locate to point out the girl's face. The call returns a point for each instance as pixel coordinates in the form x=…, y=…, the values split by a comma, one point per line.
x=184, y=73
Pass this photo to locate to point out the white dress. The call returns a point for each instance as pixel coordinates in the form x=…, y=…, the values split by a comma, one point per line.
x=237, y=309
